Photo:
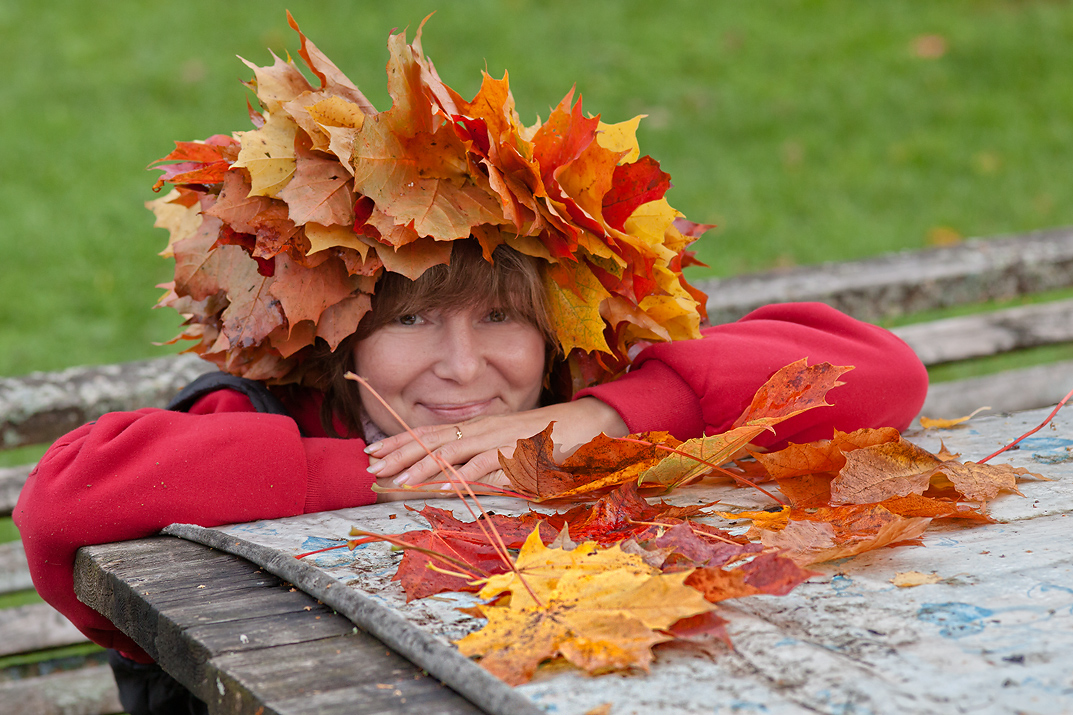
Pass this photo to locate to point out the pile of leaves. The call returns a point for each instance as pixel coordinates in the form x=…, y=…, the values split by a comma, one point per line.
x=279, y=233
x=601, y=583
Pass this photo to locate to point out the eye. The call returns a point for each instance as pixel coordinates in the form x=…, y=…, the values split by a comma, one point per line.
x=497, y=315
x=408, y=319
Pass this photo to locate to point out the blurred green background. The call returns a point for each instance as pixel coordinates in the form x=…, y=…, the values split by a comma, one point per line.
x=807, y=131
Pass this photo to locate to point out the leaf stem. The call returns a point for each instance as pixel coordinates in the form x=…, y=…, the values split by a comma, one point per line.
x=488, y=529
x=715, y=467
x=1030, y=432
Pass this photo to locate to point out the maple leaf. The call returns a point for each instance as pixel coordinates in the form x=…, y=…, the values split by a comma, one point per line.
x=416, y=257
x=768, y=573
x=635, y=183
x=422, y=574
x=833, y=533
x=252, y=312
x=822, y=455
x=331, y=78
x=930, y=423
x=621, y=514
x=305, y=293
x=574, y=311
x=533, y=470
x=789, y=392
x=280, y=83
x=602, y=610
x=682, y=542
x=260, y=216
x=792, y=390
x=983, y=482
x=872, y=474
x=268, y=155
x=320, y=192
x=920, y=505
x=336, y=322
x=807, y=490
x=698, y=456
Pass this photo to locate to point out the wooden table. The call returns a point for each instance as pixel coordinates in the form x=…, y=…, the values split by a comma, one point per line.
x=994, y=635
x=245, y=641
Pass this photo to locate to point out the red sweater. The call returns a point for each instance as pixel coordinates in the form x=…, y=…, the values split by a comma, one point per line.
x=129, y=474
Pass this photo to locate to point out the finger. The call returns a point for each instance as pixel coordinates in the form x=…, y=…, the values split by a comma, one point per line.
x=409, y=454
x=390, y=444
x=481, y=469
x=441, y=460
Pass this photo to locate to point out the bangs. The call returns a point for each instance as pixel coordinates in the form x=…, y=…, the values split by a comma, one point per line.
x=512, y=283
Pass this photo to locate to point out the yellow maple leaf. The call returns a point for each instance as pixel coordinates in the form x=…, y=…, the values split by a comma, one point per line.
x=715, y=450
x=268, y=154
x=541, y=568
x=909, y=579
x=621, y=137
x=181, y=221
x=324, y=237
x=575, y=311
x=936, y=423
x=601, y=609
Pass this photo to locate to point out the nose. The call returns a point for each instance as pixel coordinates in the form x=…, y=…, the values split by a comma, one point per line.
x=461, y=356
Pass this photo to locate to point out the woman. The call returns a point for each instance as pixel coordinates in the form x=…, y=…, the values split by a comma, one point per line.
x=485, y=278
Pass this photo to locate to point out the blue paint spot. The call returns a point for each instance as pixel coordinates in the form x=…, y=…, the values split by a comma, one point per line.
x=746, y=706
x=1046, y=444
x=955, y=620
x=1045, y=587
x=314, y=543
x=842, y=584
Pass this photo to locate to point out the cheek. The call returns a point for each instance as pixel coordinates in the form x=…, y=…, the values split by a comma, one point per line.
x=525, y=362
x=377, y=362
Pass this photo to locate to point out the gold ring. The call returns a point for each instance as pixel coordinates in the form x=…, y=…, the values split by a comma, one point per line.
x=458, y=432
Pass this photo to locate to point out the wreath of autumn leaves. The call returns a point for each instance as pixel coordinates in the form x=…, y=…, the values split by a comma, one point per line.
x=280, y=233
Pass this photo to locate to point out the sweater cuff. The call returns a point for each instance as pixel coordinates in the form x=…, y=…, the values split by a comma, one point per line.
x=337, y=474
x=652, y=397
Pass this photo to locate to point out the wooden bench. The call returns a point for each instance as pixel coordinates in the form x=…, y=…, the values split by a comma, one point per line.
x=38, y=408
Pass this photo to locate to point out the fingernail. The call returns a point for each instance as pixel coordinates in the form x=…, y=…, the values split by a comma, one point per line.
x=374, y=447
x=376, y=467
x=401, y=479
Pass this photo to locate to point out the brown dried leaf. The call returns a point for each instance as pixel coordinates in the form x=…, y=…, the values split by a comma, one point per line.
x=875, y=473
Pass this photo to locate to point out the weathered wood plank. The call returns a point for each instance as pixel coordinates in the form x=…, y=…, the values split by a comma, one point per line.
x=898, y=284
x=1008, y=391
x=36, y=626
x=323, y=677
x=426, y=695
x=12, y=480
x=40, y=407
x=971, y=336
x=232, y=633
x=14, y=571
x=87, y=691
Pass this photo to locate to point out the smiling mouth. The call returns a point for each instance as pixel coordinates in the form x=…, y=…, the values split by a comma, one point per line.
x=457, y=412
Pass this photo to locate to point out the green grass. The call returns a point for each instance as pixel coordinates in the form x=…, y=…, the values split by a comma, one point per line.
x=22, y=455
x=8, y=532
x=808, y=130
x=56, y=658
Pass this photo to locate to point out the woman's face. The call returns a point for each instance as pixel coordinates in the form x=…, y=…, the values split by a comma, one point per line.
x=440, y=367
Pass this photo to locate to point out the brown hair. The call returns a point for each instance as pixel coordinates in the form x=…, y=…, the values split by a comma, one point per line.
x=511, y=282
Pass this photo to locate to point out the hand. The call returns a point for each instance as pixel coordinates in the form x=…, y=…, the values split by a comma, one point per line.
x=401, y=459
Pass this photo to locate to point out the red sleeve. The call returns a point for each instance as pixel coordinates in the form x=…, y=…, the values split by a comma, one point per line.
x=129, y=474
x=696, y=387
